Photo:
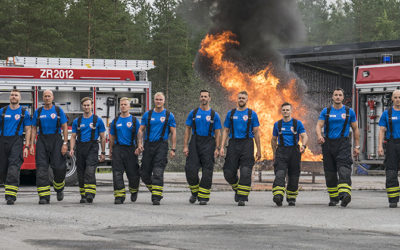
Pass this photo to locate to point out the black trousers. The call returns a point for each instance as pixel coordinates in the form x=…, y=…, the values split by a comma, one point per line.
x=87, y=158
x=391, y=163
x=11, y=159
x=154, y=161
x=239, y=156
x=201, y=155
x=287, y=161
x=125, y=160
x=337, y=166
x=48, y=154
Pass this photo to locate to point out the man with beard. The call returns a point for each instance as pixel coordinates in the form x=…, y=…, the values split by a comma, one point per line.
x=336, y=147
x=51, y=148
x=287, y=155
x=203, y=148
x=13, y=120
x=390, y=130
x=124, y=130
x=158, y=124
x=241, y=124
x=86, y=129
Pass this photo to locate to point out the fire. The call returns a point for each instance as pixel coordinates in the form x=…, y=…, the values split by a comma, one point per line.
x=264, y=97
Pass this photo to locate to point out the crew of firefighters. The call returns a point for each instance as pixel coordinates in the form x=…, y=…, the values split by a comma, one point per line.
x=47, y=134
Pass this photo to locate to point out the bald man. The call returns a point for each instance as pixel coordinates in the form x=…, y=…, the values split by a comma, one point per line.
x=390, y=130
x=51, y=148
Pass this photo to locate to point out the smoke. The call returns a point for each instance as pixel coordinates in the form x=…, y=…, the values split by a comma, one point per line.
x=261, y=26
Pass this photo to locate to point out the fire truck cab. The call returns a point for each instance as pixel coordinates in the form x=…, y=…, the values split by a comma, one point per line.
x=71, y=79
x=373, y=87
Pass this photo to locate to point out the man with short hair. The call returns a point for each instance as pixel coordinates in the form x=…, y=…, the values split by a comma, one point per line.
x=287, y=155
x=86, y=129
x=336, y=147
x=51, y=147
x=241, y=124
x=203, y=148
x=123, y=130
x=14, y=119
x=390, y=130
x=158, y=123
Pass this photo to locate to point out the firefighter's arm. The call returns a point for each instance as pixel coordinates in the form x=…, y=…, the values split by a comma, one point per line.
x=304, y=141
x=111, y=144
x=217, y=134
x=173, y=140
x=140, y=137
x=225, y=134
x=72, y=142
x=64, y=148
x=27, y=140
x=103, y=146
x=318, y=130
x=356, y=138
x=188, y=129
x=256, y=133
x=33, y=137
x=274, y=144
x=382, y=132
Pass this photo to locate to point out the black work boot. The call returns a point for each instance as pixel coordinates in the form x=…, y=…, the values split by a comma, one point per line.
x=192, y=199
x=83, y=199
x=156, y=202
x=119, y=200
x=10, y=201
x=291, y=203
x=391, y=205
x=60, y=195
x=134, y=196
x=241, y=203
x=89, y=198
x=333, y=202
x=278, y=199
x=345, y=200
x=203, y=202
x=44, y=201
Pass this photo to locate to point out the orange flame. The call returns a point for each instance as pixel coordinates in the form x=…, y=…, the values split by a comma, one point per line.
x=264, y=97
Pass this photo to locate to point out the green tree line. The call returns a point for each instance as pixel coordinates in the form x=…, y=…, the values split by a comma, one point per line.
x=169, y=32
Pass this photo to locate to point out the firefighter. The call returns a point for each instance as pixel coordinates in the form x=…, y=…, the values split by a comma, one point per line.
x=241, y=124
x=203, y=148
x=86, y=129
x=287, y=155
x=124, y=129
x=51, y=148
x=336, y=147
x=14, y=119
x=390, y=130
x=157, y=123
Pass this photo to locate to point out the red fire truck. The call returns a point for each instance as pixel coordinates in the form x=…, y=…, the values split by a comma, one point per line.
x=373, y=87
x=71, y=79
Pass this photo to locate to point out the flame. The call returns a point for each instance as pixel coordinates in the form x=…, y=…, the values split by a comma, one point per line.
x=264, y=97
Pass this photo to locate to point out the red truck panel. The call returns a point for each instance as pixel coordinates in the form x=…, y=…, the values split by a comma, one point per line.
x=378, y=74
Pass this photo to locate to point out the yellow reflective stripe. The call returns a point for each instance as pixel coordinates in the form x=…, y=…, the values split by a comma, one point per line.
x=133, y=190
x=44, y=193
x=393, y=195
x=203, y=195
x=156, y=193
x=333, y=189
x=90, y=185
x=82, y=189
x=292, y=192
x=11, y=187
x=243, y=192
x=121, y=191
x=279, y=192
x=393, y=189
x=344, y=191
x=334, y=195
x=43, y=188
x=291, y=196
x=203, y=190
x=344, y=185
x=194, y=186
x=278, y=188
x=91, y=191
x=157, y=187
x=58, y=185
x=119, y=195
x=244, y=187
x=10, y=193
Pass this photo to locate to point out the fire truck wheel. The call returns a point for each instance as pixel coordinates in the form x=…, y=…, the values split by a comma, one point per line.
x=71, y=177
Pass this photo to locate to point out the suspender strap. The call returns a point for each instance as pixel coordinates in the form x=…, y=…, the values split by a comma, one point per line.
x=79, y=128
x=231, y=118
x=167, y=114
x=21, y=120
x=93, y=132
x=148, y=124
x=345, y=121
x=58, y=125
x=249, y=113
x=328, y=111
x=115, y=129
x=133, y=130
x=194, y=120
x=210, y=128
x=38, y=122
x=390, y=111
x=295, y=134
x=281, y=141
x=2, y=120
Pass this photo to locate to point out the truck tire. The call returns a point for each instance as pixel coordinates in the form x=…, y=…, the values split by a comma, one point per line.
x=71, y=177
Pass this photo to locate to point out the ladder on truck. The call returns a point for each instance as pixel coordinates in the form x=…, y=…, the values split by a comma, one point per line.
x=140, y=66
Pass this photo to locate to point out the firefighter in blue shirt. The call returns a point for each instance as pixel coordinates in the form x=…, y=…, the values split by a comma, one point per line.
x=156, y=124
x=13, y=121
x=287, y=155
x=241, y=124
x=203, y=148
x=124, y=153
x=51, y=147
x=336, y=147
x=86, y=129
x=390, y=131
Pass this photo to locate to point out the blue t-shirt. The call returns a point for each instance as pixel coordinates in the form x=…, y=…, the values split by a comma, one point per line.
x=287, y=132
x=48, y=120
x=336, y=121
x=86, y=128
x=12, y=119
x=203, y=121
x=157, y=124
x=124, y=128
x=240, y=119
x=384, y=122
